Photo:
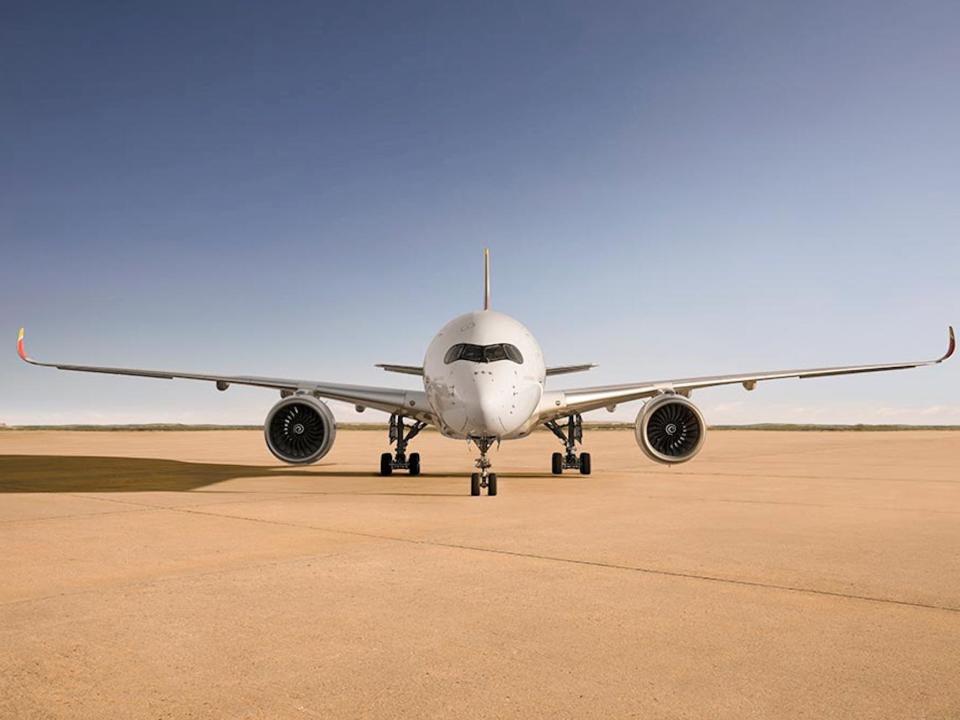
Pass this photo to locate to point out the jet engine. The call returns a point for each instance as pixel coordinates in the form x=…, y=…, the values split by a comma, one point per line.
x=670, y=429
x=300, y=429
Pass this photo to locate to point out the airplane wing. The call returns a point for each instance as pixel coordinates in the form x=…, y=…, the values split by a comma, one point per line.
x=564, y=402
x=393, y=400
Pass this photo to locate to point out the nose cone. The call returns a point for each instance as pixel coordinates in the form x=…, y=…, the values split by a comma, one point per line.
x=487, y=414
x=483, y=399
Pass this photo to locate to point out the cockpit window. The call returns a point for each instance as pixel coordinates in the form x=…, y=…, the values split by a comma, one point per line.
x=513, y=354
x=483, y=353
x=493, y=353
x=473, y=353
x=454, y=353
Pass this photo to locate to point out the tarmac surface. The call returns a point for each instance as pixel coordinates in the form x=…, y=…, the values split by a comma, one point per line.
x=187, y=575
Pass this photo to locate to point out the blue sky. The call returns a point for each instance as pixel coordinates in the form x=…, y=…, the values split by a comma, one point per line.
x=304, y=189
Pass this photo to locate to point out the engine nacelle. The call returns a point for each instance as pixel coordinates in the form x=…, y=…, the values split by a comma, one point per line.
x=300, y=429
x=670, y=429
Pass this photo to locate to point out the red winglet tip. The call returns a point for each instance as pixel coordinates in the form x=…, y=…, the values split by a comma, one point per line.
x=20, y=350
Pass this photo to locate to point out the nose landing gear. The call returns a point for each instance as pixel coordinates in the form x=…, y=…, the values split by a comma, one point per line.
x=484, y=478
x=570, y=434
x=401, y=434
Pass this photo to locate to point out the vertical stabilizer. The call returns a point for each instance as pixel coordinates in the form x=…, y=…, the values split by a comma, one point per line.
x=486, y=278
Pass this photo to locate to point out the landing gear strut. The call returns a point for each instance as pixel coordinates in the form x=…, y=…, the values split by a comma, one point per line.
x=484, y=478
x=401, y=434
x=570, y=434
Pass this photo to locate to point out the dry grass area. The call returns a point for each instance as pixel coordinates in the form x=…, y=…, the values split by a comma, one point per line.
x=187, y=575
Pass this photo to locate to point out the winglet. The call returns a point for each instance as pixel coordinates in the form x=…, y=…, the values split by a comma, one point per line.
x=951, y=345
x=20, y=350
x=486, y=278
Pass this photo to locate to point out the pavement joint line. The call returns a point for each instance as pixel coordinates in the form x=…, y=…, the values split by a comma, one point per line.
x=764, y=476
x=600, y=564
x=312, y=493
x=148, y=506
x=839, y=506
x=146, y=582
x=494, y=551
x=551, y=558
x=13, y=521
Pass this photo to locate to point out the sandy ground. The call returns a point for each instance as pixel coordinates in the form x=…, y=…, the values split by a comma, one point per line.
x=779, y=575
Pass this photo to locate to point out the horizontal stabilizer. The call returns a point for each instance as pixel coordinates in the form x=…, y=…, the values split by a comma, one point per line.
x=564, y=369
x=404, y=369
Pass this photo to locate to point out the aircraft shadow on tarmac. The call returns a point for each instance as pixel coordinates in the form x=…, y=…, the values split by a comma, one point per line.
x=66, y=473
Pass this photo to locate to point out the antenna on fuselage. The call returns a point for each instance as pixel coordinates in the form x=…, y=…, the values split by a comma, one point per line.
x=486, y=278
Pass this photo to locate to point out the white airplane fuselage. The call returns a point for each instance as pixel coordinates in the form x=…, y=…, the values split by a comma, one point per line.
x=488, y=393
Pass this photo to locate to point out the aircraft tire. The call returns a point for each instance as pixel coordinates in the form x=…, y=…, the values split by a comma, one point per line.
x=584, y=463
x=556, y=463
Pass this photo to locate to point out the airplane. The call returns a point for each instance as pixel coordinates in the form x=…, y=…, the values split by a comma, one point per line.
x=484, y=380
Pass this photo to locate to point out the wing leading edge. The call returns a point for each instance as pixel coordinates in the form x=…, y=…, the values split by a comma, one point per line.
x=580, y=400
x=410, y=402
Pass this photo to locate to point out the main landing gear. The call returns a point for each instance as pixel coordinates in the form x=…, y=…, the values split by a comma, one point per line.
x=484, y=478
x=401, y=434
x=570, y=434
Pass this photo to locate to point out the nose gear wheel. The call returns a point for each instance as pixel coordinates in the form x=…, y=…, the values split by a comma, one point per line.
x=484, y=478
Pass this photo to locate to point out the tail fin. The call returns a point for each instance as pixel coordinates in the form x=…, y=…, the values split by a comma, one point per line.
x=486, y=278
